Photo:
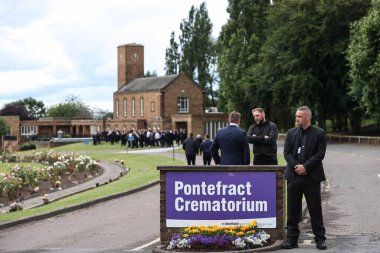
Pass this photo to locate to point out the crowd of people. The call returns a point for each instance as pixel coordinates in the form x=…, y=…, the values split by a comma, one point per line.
x=141, y=138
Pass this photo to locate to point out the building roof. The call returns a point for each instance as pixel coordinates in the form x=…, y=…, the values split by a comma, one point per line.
x=148, y=83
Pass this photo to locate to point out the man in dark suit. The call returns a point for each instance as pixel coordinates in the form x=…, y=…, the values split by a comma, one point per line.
x=233, y=143
x=190, y=147
x=304, y=150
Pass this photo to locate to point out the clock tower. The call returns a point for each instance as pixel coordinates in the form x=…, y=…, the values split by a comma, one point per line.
x=130, y=62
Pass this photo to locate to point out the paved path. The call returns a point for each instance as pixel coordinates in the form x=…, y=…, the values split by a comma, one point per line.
x=350, y=205
x=110, y=171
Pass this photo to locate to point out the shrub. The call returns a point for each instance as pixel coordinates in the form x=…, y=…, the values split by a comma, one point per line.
x=27, y=146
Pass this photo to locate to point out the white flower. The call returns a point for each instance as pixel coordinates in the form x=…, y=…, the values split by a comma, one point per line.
x=239, y=243
x=183, y=244
x=253, y=240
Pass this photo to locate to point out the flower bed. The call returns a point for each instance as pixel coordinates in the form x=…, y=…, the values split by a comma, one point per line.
x=219, y=238
x=60, y=171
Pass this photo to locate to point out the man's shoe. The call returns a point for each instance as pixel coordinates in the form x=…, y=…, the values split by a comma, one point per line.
x=289, y=244
x=321, y=244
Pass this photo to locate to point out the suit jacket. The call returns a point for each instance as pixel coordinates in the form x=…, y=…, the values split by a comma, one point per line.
x=315, y=149
x=233, y=142
x=190, y=146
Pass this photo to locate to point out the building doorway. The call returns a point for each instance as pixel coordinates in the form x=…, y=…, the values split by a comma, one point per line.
x=141, y=124
x=182, y=124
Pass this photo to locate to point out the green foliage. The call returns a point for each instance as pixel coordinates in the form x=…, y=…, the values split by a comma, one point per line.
x=15, y=109
x=150, y=74
x=239, y=47
x=36, y=109
x=172, y=56
x=363, y=55
x=195, y=53
x=4, y=128
x=71, y=108
x=290, y=54
x=27, y=146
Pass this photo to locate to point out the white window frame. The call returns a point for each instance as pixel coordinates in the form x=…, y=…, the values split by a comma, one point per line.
x=183, y=104
x=125, y=107
x=133, y=107
x=142, y=106
x=117, y=107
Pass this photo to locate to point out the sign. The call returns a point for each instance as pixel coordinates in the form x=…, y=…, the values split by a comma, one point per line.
x=220, y=198
x=85, y=141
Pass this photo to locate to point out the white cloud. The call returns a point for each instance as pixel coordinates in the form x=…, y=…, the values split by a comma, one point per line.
x=66, y=45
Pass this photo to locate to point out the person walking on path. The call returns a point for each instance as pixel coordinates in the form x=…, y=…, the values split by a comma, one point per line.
x=304, y=150
x=190, y=147
x=263, y=135
x=205, y=149
x=233, y=143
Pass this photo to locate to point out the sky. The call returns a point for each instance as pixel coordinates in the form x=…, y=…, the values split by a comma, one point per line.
x=54, y=49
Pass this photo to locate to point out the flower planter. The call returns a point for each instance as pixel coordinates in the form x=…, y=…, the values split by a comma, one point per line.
x=275, y=246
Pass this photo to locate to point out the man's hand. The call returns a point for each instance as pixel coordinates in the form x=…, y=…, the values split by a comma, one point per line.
x=266, y=137
x=300, y=170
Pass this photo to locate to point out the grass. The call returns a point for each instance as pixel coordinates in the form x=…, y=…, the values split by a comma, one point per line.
x=143, y=170
x=4, y=167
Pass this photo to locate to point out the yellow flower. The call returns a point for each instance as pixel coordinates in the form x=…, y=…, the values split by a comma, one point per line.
x=240, y=233
x=244, y=228
x=253, y=223
x=185, y=235
x=251, y=232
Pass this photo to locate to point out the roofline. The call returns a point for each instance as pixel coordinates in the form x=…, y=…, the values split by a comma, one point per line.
x=131, y=44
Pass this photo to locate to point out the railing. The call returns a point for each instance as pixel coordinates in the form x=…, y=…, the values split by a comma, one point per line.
x=352, y=139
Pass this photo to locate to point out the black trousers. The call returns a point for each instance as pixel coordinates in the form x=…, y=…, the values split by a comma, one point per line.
x=206, y=158
x=190, y=159
x=304, y=185
x=260, y=160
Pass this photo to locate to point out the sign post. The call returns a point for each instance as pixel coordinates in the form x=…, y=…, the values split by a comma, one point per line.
x=223, y=196
x=85, y=142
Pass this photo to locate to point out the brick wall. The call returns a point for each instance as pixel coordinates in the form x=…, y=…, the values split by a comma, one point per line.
x=14, y=124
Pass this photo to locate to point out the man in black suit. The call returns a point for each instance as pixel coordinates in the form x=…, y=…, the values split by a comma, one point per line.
x=233, y=143
x=190, y=147
x=263, y=135
x=304, y=150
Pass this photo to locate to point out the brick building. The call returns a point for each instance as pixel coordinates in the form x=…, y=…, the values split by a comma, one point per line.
x=163, y=102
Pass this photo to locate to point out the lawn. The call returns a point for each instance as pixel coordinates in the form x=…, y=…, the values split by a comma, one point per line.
x=143, y=170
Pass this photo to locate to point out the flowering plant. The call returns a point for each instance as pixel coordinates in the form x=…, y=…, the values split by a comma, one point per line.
x=219, y=237
x=10, y=184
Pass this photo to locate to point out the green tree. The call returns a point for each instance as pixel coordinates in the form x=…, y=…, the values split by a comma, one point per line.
x=195, y=53
x=172, y=56
x=15, y=109
x=4, y=128
x=150, y=74
x=239, y=46
x=71, y=108
x=364, y=60
x=35, y=108
x=304, y=55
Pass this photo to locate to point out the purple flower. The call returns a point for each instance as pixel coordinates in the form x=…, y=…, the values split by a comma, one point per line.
x=218, y=241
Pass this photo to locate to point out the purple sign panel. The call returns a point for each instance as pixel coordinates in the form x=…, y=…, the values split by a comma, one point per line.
x=220, y=198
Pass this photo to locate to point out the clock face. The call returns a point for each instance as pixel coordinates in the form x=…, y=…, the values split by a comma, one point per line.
x=121, y=58
x=134, y=57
